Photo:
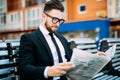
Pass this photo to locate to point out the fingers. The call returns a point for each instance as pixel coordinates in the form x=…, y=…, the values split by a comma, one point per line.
x=55, y=71
x=66, y=66
x=101, y=54
x=59, y=69
x=63, y=72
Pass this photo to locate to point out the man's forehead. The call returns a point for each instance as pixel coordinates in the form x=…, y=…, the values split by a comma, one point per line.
x=56, y=13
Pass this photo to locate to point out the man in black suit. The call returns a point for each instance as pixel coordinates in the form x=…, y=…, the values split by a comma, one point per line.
x=39, y=58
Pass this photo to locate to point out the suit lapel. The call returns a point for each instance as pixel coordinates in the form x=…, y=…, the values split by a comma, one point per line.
x=44, y=42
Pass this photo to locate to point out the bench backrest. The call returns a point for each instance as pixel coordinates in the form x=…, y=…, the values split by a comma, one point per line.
x=86, y=44
x=8, y=60
x=5, y=66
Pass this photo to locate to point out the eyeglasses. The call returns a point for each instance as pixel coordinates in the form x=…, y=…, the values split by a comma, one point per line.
x=55, y=19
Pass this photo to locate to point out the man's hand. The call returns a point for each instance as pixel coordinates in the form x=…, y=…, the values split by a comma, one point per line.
x=59, y=69
x=101, y=54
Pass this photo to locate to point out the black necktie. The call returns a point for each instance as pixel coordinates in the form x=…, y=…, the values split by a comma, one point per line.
x=56, y=46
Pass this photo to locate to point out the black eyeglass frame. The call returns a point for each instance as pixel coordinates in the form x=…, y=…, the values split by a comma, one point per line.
x=55, y=19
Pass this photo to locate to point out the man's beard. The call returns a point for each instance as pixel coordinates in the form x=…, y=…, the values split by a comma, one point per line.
x=49, y=28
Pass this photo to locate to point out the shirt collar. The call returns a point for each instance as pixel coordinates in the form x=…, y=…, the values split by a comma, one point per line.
x=43, y=30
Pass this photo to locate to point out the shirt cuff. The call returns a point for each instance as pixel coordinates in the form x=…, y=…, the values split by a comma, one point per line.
x=45, y=72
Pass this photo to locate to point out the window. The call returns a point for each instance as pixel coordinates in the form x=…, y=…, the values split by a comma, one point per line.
x=82, y=9
x=118, y=8
x=2, y=12
x=11, y=18
x=2, y=18
x=114, y=9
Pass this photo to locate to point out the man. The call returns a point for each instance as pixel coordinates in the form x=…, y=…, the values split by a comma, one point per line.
x=40, y=59
x=44, y=53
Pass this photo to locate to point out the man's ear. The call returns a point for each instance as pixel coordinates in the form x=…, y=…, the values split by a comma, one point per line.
x=43, y=17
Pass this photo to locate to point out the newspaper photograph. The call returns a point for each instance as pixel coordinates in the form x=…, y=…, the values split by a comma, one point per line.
x=88, y=64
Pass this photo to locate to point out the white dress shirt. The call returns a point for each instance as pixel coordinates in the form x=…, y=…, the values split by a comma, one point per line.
x=53, y=48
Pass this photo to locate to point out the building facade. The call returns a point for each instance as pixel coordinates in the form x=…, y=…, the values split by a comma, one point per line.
x=19, y=17
x=82, y=10
x=85, y=10
x=22, y=16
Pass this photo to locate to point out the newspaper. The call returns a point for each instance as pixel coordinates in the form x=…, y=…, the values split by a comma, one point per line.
x=88, y=64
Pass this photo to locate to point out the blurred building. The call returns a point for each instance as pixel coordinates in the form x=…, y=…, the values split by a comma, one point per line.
x=21, y=16
x=82, y=10
x=114, y=16
x=87, y=18
x=18, y=17
x=87, y=10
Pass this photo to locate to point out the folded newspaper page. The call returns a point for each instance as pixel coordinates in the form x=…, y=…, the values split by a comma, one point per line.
x=88, y=64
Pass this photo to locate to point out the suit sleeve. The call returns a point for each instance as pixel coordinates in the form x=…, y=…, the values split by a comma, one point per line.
x=26, y=66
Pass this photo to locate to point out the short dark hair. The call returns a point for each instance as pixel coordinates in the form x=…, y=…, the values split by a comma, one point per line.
x=53, y=4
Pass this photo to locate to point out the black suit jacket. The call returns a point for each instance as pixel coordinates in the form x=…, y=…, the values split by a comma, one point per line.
x=35, y=55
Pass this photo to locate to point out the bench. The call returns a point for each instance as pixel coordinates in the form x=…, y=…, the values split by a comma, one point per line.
x=8, y=60
x=11, y=48
x=4, y=62
x=113, y=70
x=116, y=58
